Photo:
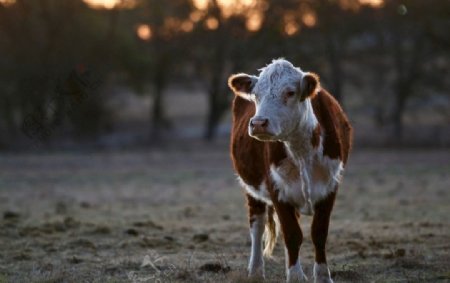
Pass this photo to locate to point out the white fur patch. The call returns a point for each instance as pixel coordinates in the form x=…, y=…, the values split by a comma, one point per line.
x=321, y=186
x=261, y=194
x=276, y=76
x=322, y=273
x=291, y=190
x=295, y=272
x=308, y=118
x=316, y=178
x=256, y=262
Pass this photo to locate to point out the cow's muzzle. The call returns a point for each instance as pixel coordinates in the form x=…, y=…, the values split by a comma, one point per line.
x=258, y=128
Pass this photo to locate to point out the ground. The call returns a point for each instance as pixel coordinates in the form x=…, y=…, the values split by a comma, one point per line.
x=177, y=215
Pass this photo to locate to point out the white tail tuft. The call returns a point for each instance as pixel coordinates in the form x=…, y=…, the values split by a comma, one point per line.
x=270, y=233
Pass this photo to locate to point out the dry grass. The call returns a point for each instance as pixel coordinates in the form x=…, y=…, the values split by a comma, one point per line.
x=179, y=216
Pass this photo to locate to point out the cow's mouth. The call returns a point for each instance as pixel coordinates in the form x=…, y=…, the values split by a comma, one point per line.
x=263, y=136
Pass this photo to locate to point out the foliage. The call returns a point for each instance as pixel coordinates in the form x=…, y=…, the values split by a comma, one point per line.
x=400, y=46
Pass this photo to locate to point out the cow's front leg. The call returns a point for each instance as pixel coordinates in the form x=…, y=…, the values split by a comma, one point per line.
x=319, y=233
x=293, y=237
x=257, y=218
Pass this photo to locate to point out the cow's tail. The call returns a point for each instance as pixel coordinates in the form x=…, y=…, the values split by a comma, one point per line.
x=271, y=232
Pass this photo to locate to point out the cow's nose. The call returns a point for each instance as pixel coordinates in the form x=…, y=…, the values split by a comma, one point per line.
x=259, y=122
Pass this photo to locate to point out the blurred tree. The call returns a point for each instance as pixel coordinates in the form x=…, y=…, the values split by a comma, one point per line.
x=165, y=48
x=220, y=40
x=45, y=40
x=224, y=43
x=414, y=50
x=58, y=50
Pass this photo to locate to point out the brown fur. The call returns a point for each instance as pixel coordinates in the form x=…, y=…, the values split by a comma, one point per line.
x=288, y=170
x=315, y=138
x=319, y=226
x=255, y=207
x=338, y=132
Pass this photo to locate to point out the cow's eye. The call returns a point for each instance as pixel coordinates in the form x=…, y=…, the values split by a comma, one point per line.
x=290, y=93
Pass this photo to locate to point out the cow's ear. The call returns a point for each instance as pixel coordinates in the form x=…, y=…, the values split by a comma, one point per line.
x=242, y=84
x=309, y=86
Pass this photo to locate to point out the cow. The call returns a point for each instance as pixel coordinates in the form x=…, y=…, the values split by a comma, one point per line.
x=290, y=141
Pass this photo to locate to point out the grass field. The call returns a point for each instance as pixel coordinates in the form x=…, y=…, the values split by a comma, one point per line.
x=178, y=215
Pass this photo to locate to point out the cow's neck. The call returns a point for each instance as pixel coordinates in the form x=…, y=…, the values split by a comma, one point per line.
x=299, y=144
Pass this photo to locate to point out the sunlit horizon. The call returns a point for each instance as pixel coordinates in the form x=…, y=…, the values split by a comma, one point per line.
x=110, y=4
x=228, y=7
x=373, y=3
x=253, y=12
x=8, y=2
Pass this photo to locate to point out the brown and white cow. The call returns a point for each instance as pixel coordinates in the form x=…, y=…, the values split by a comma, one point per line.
x=290, y=142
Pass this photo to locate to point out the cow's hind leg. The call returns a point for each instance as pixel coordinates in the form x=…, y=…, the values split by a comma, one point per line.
x=319, y=233
x=257, y=218
x=293, y=238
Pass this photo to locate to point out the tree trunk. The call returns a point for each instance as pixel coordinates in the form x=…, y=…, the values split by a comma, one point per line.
x=408, y=69
x=397, y=117
x=159, y=120
x=157, y=112
x=216, y=100
x=214, y=115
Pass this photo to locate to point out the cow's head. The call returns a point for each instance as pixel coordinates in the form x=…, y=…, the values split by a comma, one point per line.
x=280, y=93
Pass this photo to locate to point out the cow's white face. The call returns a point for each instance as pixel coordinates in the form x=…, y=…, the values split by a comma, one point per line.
x=279, y=94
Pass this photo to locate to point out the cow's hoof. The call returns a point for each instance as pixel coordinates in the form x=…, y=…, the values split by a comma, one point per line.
x=296, y=274
x=257, y=274
x=322, y=273
x=295, y=278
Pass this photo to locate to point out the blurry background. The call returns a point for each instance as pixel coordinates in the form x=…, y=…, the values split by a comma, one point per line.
x=112, y=73
x=115, y=121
